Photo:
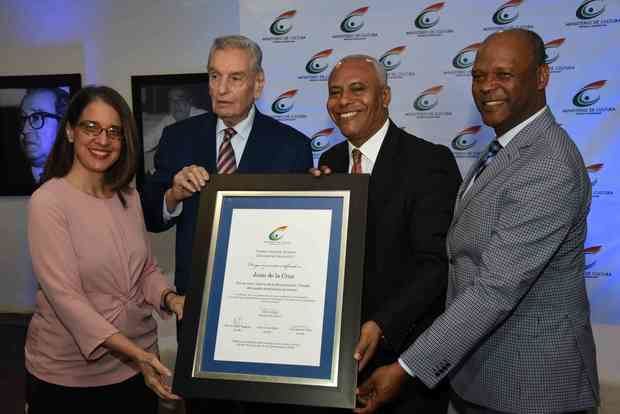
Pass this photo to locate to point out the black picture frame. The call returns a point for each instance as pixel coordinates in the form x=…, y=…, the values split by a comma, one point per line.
x=18, y=158
x=255, y=382
x=149, y=94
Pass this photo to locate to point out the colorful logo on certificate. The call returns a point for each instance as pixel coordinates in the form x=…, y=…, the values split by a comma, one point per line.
x=277, y=233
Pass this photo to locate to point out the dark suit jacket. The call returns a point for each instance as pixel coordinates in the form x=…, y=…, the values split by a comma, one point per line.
x=411, y=197
x=272, y=148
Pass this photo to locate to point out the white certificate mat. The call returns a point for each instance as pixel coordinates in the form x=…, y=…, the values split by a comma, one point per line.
x=273, y=294
x=272, y=302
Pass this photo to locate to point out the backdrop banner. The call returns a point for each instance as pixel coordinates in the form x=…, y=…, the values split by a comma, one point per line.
x=428, y=49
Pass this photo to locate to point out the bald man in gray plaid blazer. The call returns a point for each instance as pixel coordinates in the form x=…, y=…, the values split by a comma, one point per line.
x=515, y=336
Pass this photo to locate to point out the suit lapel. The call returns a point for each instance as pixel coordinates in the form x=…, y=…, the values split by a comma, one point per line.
x=205, y=150
x=386, y=170
x=339, y=158
x=254, y=153
x=502, y=160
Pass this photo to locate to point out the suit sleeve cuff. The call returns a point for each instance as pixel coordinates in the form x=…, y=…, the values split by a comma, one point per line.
x=167, y=215
x=406, y=368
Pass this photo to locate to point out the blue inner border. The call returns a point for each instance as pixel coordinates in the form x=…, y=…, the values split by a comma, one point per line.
x=229, y=203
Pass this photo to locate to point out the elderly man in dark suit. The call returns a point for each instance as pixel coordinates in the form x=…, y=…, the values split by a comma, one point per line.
x=515, y=336
x=236, y=138
x=413, y=185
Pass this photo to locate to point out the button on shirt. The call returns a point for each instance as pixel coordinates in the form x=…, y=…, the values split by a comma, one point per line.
x=238, y=142
x=369, y=149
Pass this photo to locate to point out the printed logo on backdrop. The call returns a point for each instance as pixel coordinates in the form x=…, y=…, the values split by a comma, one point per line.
x=320, y=142
x=281, y=27
x=464, y=142
x=284, y=104
x=587, y=101
x=316, y=67
x=391, y=60
x=425, y=102
x=590, y=14
x=592, y=271
x=425, y=23
x=464, y=60
x=552, y=54
x=352, y=24
x=505, y=15
x=595, y=171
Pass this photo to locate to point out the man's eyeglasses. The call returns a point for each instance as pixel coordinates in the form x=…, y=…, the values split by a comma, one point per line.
x=93, y=129
x=37, y=119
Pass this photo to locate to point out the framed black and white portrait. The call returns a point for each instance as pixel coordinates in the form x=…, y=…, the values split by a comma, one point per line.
x=31, y=108
x=162, y=100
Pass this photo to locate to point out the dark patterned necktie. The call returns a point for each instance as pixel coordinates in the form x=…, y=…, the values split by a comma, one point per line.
x=357, y=161
x=494, y=148
x=226, y=163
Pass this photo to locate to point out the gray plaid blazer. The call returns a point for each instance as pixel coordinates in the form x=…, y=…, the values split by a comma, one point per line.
x=516, y=333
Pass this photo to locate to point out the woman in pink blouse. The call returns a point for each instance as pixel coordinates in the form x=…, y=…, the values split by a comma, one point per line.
x=92, y=341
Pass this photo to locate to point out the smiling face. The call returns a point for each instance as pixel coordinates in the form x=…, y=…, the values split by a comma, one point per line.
x=508, y=86
x=233, y=84
x=37, y=143
x=95, y=154
x=358, y=101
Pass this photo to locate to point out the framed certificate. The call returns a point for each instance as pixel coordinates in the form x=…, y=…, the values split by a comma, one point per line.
x=273, y=309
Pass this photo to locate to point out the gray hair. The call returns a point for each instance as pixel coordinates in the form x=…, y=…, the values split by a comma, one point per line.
x=243, y=43
x=379, y=69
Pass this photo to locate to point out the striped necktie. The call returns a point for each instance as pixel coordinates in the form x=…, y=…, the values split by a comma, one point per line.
x=226, y=163
x=357, y=161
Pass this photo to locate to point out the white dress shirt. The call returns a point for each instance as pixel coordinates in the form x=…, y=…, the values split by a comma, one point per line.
x=369, y=149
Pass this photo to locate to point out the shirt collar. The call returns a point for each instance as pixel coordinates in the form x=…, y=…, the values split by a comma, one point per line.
x=242, y=129
x=371, y=147
x=508, y=136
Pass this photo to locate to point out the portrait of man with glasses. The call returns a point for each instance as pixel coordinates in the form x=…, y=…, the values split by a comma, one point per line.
x=29, y=120
x=41, y=111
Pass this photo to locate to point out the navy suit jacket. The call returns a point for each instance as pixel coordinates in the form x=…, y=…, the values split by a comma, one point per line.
x=411, y=197
x=272, y=148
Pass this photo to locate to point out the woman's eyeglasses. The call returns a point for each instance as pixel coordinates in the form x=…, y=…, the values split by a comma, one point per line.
x=93, y=129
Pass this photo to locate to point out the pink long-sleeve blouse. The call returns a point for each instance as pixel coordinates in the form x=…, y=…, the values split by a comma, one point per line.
x=96, y=277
